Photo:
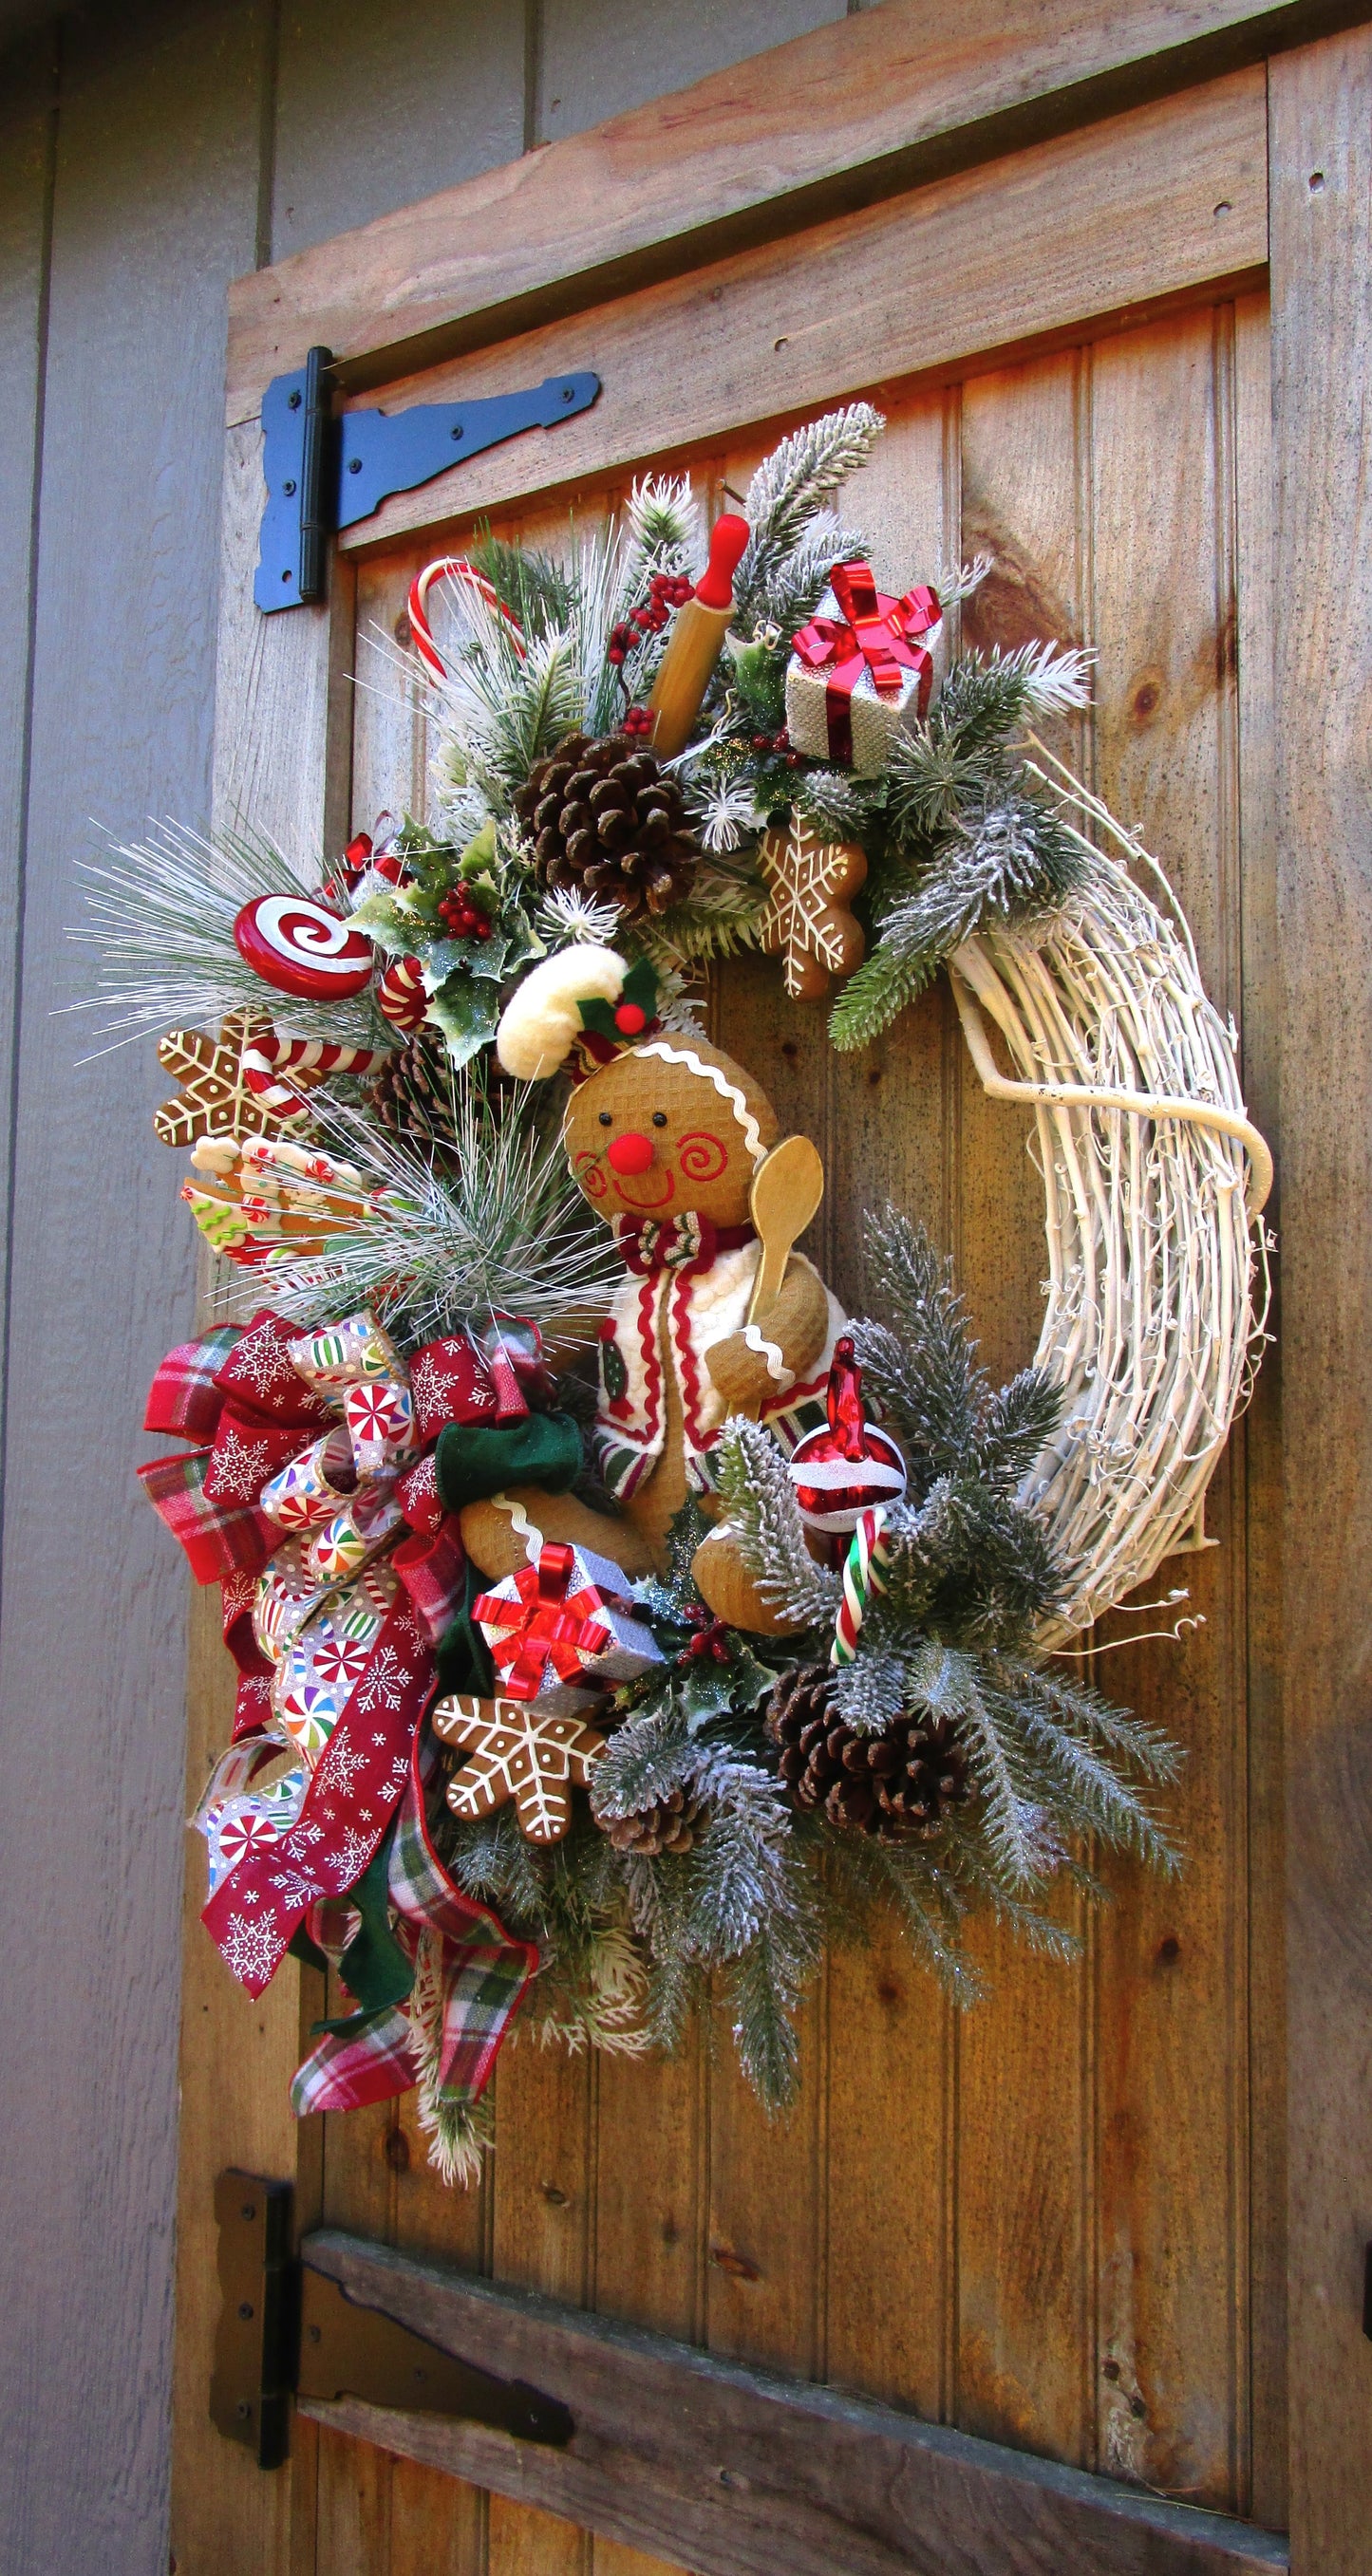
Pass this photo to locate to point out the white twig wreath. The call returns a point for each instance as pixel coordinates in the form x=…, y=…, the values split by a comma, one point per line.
x=1154, y=1176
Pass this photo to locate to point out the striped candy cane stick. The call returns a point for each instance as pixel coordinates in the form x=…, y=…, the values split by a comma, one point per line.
x=450, y=568
x=266, y=1058
x=864, y=1573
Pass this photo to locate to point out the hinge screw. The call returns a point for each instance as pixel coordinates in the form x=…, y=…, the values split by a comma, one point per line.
x=288, y=489
x=457, y=433
x=293, y=402
x=354, y=465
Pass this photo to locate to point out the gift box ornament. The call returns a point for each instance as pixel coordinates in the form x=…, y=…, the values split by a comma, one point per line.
x=562, y=1628
x=864, y=670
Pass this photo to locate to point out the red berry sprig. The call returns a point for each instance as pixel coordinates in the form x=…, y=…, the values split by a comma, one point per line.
x=777, y=746
x=711, y=1638
x=637, y=720
x=463, y=918
x=666, y=591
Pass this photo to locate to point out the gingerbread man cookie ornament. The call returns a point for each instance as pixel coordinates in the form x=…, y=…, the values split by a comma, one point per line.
x=665, y=1135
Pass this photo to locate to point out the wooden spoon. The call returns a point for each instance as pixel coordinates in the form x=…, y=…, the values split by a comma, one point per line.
x=786, y=1191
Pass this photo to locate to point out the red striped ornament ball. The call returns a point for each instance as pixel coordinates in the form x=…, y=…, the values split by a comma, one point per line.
x=849, y=1467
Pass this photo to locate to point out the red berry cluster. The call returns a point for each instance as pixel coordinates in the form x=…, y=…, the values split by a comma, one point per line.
x=463, y=918
x=637, y=720
x=709, y=1639
x=778, y=745
x=666, y=591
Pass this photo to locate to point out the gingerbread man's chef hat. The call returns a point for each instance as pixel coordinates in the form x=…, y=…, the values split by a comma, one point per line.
x=578, y=1010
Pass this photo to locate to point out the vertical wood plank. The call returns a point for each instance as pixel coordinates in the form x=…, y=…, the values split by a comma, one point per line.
x=1023, y=2177
x=1172, y=2008
x=380, y=102
x=153, y=193
x=1261, y=1434
x=1320, y=138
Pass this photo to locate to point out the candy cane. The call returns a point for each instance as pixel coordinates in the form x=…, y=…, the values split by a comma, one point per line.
x=864, y=1573
x=264, y=1058
x=452, y=568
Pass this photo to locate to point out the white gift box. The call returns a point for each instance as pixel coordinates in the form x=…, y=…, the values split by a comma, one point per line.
x=834, y=709
x=594, y=1590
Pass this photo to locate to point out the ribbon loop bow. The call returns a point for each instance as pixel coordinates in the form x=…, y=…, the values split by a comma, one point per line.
x=873, y=636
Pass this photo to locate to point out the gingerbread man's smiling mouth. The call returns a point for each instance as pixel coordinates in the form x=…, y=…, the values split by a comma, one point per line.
x=644, y=1195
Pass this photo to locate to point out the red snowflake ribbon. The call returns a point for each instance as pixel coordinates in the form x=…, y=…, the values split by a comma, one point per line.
x=540, y=1624
x=874, y=633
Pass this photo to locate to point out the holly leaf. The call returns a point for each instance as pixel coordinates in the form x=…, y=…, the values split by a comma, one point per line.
x=466, y=1011
x=484, y=958
x=749, y=1680
x=387, y=924
x=707, y=1692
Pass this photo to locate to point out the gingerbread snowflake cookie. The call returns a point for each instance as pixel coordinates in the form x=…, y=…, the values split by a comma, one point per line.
x=517, y=1750
x=807, y=922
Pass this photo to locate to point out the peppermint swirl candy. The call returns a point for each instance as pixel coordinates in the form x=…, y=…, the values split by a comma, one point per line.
x=300, y=946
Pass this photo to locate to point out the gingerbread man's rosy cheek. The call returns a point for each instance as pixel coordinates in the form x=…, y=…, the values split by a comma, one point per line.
x=590, y=1174
x=702, y=1156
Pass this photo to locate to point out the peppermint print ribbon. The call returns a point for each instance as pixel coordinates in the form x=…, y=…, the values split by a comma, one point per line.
x=873, y=635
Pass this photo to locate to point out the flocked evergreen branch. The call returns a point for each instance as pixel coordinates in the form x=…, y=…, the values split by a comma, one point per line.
x=760, y=1504
x=789, y=490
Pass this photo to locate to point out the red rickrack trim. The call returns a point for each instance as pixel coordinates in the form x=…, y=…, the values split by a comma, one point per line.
x=679, y=1325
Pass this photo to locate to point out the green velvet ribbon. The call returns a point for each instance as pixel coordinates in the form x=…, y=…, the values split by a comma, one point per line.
x=475, y=1460
x=374, y=1968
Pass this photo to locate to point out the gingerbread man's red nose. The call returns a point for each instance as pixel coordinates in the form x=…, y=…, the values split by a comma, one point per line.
x=630, y=1154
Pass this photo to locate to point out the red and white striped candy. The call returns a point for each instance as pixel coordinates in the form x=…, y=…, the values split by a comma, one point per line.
x=400, y=994
x=450, y=568
x=303, y=947
x=265, y=1059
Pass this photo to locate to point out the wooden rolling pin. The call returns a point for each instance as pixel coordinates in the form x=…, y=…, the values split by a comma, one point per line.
x=696, y=640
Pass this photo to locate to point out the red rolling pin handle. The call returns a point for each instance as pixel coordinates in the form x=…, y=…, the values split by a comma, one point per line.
x=728, y=537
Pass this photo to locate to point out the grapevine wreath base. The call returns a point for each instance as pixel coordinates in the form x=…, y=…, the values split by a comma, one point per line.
x=614, y=1616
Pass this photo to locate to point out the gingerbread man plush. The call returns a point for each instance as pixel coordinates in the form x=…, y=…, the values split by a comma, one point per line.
x=664, y=1134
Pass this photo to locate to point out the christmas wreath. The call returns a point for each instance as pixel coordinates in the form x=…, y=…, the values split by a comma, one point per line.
x=613, y=1615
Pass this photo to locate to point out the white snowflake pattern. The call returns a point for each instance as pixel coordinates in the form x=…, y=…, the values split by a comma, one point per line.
x=259, y=1361
x=384, y=1683
x=352, y=1855
x=295, y=1888
x=239, y=1593
x=237, y=1468
x=429, y=1383
x=409, y=1637
x=340, y=1766
x=252, y=1947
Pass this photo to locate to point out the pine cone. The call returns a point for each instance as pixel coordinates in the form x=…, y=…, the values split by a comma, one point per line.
x=604, y=817
x=670, y=1824
x=900, y=1781
x=413, y=1092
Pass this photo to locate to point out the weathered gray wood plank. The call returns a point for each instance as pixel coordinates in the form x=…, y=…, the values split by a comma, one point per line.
x=600, y=58
x=381, y=101
x=1321, y=166
x=738, y=2473
x=155, y=185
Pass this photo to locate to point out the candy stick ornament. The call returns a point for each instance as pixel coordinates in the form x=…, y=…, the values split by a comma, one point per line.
x=864, y=1572
x=456, y=569
x=696, y=641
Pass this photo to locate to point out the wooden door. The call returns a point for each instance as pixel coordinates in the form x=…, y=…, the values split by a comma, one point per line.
x=1060, y=2221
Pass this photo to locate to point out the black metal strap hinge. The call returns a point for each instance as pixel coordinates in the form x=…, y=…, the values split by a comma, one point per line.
x=287, y=2330
x=324, y=474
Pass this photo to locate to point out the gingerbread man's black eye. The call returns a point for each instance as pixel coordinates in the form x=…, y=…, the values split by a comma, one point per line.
x=607, y=1118
x=659, y=1117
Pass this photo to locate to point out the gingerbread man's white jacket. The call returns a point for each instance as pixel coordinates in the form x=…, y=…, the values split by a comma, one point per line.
x=688, y=1286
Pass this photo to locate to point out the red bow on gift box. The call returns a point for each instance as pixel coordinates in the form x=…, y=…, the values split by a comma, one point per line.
x=873, y=634
x=542, y=1625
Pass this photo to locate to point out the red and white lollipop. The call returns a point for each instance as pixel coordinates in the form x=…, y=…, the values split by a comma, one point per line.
x=299, y=945
x=850, y=1468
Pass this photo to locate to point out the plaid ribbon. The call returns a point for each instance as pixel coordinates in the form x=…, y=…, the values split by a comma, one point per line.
x=235, y=1392
x=481, y=1974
